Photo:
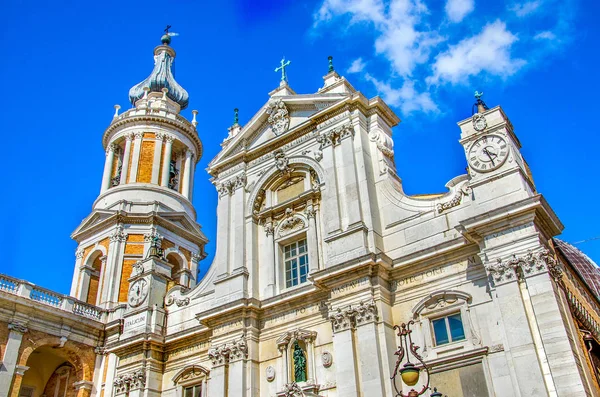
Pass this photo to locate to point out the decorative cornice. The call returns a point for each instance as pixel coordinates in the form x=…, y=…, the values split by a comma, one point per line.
x=130, y=381
x=353, y=316
x=524, y=266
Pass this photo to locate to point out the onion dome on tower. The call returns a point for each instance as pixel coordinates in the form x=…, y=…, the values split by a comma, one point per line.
x=162, y=76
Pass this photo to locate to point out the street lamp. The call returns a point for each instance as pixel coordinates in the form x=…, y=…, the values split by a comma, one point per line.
x=409, y=373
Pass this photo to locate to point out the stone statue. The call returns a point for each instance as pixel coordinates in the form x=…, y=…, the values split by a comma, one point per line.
x=299, y=364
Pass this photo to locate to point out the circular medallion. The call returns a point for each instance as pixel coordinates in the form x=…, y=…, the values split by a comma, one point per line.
x=137, y=292
x=270, y=371
x=487, y=153
x=327, y=359
x=479, y=122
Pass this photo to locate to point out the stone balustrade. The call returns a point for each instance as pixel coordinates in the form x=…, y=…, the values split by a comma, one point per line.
x=27, y=290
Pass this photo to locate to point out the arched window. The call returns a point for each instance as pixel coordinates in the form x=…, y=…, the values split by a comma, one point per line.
x=191, y=381
x=446, y=324
x=89, y=276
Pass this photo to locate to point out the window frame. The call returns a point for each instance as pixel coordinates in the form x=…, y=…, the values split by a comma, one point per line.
x=280, y=245
x=299, y=266
x=448, y=330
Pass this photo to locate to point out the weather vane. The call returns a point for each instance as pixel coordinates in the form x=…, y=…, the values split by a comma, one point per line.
x=167, y=29
x=479, y=105
x=284, y=64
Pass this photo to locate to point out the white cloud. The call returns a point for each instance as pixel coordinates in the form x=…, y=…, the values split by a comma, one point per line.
x=489, y=51
x=525, y=9
x=405, y=97
x=357, y=66
x=458, y=9
x=399, y=39
x=545, y=35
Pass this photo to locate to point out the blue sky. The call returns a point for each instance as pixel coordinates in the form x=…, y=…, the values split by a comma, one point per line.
x=67, y=63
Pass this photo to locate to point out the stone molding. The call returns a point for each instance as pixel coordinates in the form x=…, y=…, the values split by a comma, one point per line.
x=180, y=302
x=354, y=316
x=228, y=352
x=507, y=270
x=291, y=223
x=130, y=381
x=83, y=384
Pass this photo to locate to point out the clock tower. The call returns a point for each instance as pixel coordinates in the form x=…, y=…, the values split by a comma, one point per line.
x=493, y=153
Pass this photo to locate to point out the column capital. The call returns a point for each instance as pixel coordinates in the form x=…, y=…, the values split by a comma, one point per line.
x=138, y=134
x=169, y=138
x=130, y=381
x=228, y=352
x=354, y=316
x=17, y=327
x=112, y=147
x=129, y=137
x=79, y=253
x=523, y=266
x=160, y=136
x=119, y=234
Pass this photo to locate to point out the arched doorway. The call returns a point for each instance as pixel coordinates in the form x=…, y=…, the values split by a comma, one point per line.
x=53, y=367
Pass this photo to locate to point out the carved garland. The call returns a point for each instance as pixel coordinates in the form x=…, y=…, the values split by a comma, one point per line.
x=456, y=199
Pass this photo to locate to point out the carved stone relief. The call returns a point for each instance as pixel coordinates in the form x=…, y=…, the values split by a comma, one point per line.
x=279, y=117
x=353, y=316
x=522, y=266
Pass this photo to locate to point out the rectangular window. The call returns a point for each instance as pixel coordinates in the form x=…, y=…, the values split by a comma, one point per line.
x=448, y=329
x=193, y=391
x=296, y=263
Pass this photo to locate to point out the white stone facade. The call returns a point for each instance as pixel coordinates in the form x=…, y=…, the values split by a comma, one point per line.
x=317, y=171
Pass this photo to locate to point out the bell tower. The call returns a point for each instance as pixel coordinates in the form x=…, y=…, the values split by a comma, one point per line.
x=145, y=194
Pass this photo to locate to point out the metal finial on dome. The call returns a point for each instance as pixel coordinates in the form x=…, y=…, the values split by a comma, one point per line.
x=330, y=59
x=162, y=76
x=166, y=39
x=236, y=118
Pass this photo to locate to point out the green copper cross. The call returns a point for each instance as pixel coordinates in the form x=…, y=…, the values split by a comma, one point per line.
x=284, y=64
x=478, y=95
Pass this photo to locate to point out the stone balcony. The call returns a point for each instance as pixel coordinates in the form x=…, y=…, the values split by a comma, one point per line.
x=29, y=291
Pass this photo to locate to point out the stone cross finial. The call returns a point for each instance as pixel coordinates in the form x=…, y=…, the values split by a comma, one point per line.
x=284, y=64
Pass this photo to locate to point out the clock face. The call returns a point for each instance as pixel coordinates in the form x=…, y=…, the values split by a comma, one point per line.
x=487, y=153
x=138, y=292
x=479, y=122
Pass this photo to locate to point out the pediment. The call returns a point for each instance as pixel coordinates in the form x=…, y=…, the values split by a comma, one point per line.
x=279, y=116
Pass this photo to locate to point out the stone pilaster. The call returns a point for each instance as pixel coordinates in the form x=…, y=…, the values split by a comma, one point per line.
x=166, y=164
x=135, y=158
x=9, y=359
x=126, y=156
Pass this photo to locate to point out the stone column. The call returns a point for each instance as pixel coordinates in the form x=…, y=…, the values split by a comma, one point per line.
x=192, y=173
x=267, y=261
x=185, y=183
x=114, y=262
x=348, y=187
x=108, y=163
x=313, y=242
x=111, y=362
x=237, y=257
x=10, y=359
x=126, y=156
x=236, y=378
x=346, y=374
x=330, y=197
x=158, y=144
x=367, y=343
x=194, y=268
x=85, y=273
x=223, y=220
x=19, y=373
x=135, y=159
x=218, y=375
x=166, y=164
x=75, y=280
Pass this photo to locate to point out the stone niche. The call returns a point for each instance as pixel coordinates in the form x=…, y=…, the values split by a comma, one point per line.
x=467, y=381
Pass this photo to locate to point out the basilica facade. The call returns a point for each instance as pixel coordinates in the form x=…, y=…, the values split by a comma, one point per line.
x=319, y=255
